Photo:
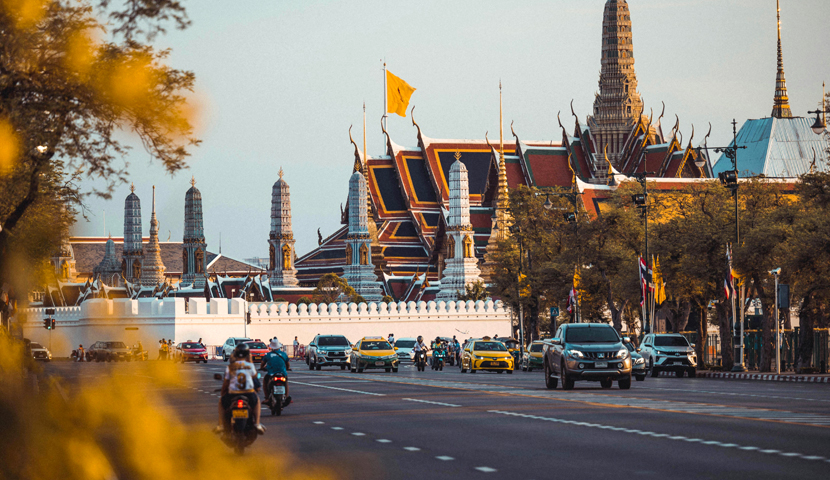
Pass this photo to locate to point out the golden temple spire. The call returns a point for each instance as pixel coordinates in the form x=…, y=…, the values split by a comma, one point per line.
x=192, y=180
x=132, y=187
x=781, y=104
x=365, y=155
x=281, y=173
x=502, y=199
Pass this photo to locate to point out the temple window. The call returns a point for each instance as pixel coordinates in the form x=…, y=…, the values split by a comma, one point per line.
x=200, y=260
x=364, y=254
x=184, y=262
x=286, y=257
x=349, y=255
x=450, y=247
x=468, y=247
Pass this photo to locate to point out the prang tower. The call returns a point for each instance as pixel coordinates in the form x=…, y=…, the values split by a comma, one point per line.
x=281, y=271
x=193, y=242
x=617, y=106
x=461, y=265
x=152, y=273
x=781, y=102
x=132, y=254
x=359, y=271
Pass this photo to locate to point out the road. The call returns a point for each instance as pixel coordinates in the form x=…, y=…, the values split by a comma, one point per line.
x=448, y=425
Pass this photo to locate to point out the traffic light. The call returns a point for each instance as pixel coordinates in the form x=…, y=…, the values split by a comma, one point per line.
x=47, y=323
x=53, y=324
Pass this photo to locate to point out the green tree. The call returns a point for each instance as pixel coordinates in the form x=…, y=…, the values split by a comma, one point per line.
x=74, y=75
x=332, y=288
x=475, y=291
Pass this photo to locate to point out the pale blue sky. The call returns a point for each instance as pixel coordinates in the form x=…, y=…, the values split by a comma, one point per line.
x=281, y=81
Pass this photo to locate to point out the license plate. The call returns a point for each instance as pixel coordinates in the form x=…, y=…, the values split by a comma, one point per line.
x=380, y=364
x=601, y=364
x=278, y=389
x=240, y=414
x=493, y=364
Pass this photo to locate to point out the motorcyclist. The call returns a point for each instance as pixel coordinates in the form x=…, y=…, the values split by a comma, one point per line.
x=240, y=376
x=419, y=348
x=275, y=362
x=80, y=357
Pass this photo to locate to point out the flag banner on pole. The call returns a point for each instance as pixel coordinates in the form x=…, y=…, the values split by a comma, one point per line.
x=659, y=284
x=398, y=94
x=571, y=300
x=644, y=280
x=728, y=281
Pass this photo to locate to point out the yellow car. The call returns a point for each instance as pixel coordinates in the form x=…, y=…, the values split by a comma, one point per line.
x=533, y=356
x=373, y=352
x=486, y=354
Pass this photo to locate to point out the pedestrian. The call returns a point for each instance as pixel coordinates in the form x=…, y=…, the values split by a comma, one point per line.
x=391, y=339
x=80, y=353
x=162, y=350
x=296, y=346
x=170, y=350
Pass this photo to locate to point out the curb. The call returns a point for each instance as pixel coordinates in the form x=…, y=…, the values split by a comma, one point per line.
x=758, y=376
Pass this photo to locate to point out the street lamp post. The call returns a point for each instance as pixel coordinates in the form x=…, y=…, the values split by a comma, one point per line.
x=570, y=217
x=775, y=273
x=641, y=200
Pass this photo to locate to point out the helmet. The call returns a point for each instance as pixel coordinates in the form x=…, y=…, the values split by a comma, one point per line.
x=420, y=338
x=241, y=351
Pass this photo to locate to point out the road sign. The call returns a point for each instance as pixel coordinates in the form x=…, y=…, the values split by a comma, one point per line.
x=554, y=312
x=783, y=296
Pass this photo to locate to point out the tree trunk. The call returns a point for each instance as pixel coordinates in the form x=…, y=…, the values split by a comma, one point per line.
x=725, y=330
x=616, y=313
x=702, y=336
x=682, y=319
x=806, y=338
x=768, y=344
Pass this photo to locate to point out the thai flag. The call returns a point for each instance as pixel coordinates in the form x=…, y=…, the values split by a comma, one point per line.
x=728, y=281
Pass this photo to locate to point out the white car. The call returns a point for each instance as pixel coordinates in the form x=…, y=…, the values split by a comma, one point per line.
x=230, y=344
x=405, y=346
x=39, y=352
x=668, y=352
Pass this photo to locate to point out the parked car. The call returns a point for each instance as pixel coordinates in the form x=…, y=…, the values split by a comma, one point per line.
x=328, y=350
x=405, y=346
x=587, y=351
x=230, y=344
x=668, y=352
x=39, y=352
x=533, y=356
x=373, y=352
x=638, y=364
x=191, y=351
x=258, y=350
x=109, y=351
x=486, y=354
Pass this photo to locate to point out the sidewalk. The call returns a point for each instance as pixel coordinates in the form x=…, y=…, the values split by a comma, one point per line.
x=769, y=377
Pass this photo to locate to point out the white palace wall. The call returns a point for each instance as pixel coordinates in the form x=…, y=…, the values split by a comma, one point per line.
x=148, y=320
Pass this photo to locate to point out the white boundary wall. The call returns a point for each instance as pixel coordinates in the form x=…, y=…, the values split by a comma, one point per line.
x=148, y=320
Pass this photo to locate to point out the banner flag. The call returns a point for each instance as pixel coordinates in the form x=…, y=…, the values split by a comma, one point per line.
x=398, y=94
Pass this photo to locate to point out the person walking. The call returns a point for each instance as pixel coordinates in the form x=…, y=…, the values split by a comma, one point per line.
x=296, y=347
x=162, y=350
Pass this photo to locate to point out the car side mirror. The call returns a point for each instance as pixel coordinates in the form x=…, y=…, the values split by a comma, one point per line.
x=354, y=349
x=556, y=341
x=693, y=345
x=396, y=348
x=626, y=340
x=638, y=350
x=217, y=376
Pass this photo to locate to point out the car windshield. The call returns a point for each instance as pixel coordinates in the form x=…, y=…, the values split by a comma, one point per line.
x=116, y=345
x=256, y=345
x=241, y=340
x=489, y=347
x=332, y=342
x=35, y=345
x=405, y=343
x=591, y=335
x=191, y=345
x=511, y=343
x=671, y=341
x=536, y=347
x=376, y=345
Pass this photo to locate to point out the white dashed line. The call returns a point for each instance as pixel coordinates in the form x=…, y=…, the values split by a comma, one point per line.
x=444, y=458
x=341, y=389
x=383, y=440
x=337, y=428
x=486, y=469
x=412, y=449
x=319, y=423
x=358, y=434
x=674, y=437
x=431, y=403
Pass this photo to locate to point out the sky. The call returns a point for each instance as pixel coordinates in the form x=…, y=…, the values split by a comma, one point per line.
x=278, y=83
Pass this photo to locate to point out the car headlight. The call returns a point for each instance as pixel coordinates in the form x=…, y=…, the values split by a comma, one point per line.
x=639, y=361
x=575, y=354
x=623, y=353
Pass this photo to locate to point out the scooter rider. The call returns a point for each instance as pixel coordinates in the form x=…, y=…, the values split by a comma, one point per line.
x=240, y=376
x=419, y=348
x=275, y=362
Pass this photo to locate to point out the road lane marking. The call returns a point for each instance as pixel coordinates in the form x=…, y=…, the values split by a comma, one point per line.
x=337, y=428
x=430, y=402
x=412, y=449
x=358, y=434
x=444, y=458
x=319, y=423
x=383, y=440
x=486, y=469
x=714, y=443
x=341, y=389
x=736, y=394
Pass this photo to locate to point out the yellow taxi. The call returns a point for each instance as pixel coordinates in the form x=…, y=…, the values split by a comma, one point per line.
x=486, y=354
x=373, y=352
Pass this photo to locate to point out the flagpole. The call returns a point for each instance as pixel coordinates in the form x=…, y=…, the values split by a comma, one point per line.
x=385, y=95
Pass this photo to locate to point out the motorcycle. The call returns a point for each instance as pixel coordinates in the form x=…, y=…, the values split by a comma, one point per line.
x=420, y=360
x=439, y=357
x=276, y=398
x=77, y=356
x=240, y=430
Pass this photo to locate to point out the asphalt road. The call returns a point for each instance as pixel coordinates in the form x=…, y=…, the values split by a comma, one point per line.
x=438, y=425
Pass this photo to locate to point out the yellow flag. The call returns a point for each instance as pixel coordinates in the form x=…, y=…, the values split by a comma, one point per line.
x=398, y=93
x=577, y=279
x=659, y=284
x=524, y=290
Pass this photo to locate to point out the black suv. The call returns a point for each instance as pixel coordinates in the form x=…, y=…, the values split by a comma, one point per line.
x=109, y=351
x=328, y=350
x=587, y=351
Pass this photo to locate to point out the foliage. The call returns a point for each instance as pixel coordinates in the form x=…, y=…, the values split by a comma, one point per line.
x=72, y=83
x=387, y=299
x=332, y=289
x=304, y=300
x=475, y=291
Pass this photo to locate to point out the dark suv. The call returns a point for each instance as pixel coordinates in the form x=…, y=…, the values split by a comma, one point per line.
x=328, y=350
x=587, y=351
x=109, y=351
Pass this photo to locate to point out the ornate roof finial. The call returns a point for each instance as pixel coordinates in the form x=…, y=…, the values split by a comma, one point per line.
x=132, y=187
x=281, y=173
x=457, y=155
x=192, y=181
x=781, y=103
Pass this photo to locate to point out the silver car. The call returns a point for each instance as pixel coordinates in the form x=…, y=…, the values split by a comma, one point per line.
x=668, y=352
x=230, y=344
x=39, y=352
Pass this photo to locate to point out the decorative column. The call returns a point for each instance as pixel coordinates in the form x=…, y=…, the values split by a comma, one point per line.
x=359, y=271
x=461, y=266
x=152, y=273
x=193, y=243
x=132, y=254
x=281, y=271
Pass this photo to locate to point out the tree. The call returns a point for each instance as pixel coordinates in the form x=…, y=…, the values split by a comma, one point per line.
x=70, y=82
x=475, y=291
x=332, y=288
